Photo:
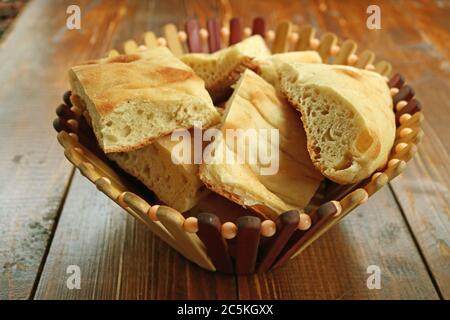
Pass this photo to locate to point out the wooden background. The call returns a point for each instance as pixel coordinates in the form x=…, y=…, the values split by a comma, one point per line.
x=51, y=217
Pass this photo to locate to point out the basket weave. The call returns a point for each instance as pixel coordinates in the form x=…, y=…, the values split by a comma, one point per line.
x=251, y=250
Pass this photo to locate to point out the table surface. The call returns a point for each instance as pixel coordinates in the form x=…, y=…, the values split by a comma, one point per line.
x=51, y=217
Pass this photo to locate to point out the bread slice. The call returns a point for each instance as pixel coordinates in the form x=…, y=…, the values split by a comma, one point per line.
x=134, y=99
x=347, y=114
x=269, y=67
x=222, y=69
x=177, y=185
x=255, y=105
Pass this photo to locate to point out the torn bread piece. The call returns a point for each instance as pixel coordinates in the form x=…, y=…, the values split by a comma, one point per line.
x=270, y=66
x=222, y=69
x=175, y=183
x=256, y=107
x=347, y=114
x=134, y=99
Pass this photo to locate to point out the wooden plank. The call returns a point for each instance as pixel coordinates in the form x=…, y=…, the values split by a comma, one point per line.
x=119, y=258
x=335, y=266
x=32, y=162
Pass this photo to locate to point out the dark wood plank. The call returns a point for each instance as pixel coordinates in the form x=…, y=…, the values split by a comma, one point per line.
x=119, y=258
x=334, y=267
x=35, y=175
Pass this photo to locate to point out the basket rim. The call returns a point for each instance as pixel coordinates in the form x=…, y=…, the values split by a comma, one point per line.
x=171, y=226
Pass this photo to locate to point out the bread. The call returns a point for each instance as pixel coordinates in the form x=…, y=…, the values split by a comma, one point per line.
x=222, y=69
x=269, y=67
x=347, y=114
x=177, y=185
x=255, y=105
x=134, y=99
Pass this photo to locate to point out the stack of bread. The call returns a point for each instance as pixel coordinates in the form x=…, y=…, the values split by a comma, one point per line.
x=333, y=122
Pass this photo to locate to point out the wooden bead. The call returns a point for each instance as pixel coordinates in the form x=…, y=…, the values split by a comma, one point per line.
x=404, y=117
x=225, y=32
x=376, y=175
x=89, y=165
x=400, y=147
x=338, y=206
x=405, y=132
x=73, y=136
x=191, y=225
x=73, y=123
x=162, y=42
x=76, y=110
x=393, y=162
x=270, y=35
x=366, y=197
x=152, y=212
x=203, y=33
x=79, y=150
x=394, y=91
x=370, y=67
x=247, y=32
x=352, y=59
x=182, y=36
x=121, y=201
x=400, y=105
x=268, y=228
x=229, y=230
x=305, y=222
x=314, y=43
x=334, y=50
x=293, y=37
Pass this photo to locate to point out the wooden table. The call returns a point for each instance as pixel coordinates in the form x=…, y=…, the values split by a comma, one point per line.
x=51, y=217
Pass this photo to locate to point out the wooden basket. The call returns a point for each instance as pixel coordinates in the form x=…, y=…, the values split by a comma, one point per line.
x=249, y=245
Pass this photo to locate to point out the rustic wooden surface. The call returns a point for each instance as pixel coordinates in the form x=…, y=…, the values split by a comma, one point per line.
x=49, y=220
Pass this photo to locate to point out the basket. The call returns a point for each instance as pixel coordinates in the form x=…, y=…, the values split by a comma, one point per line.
x=247, y=245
